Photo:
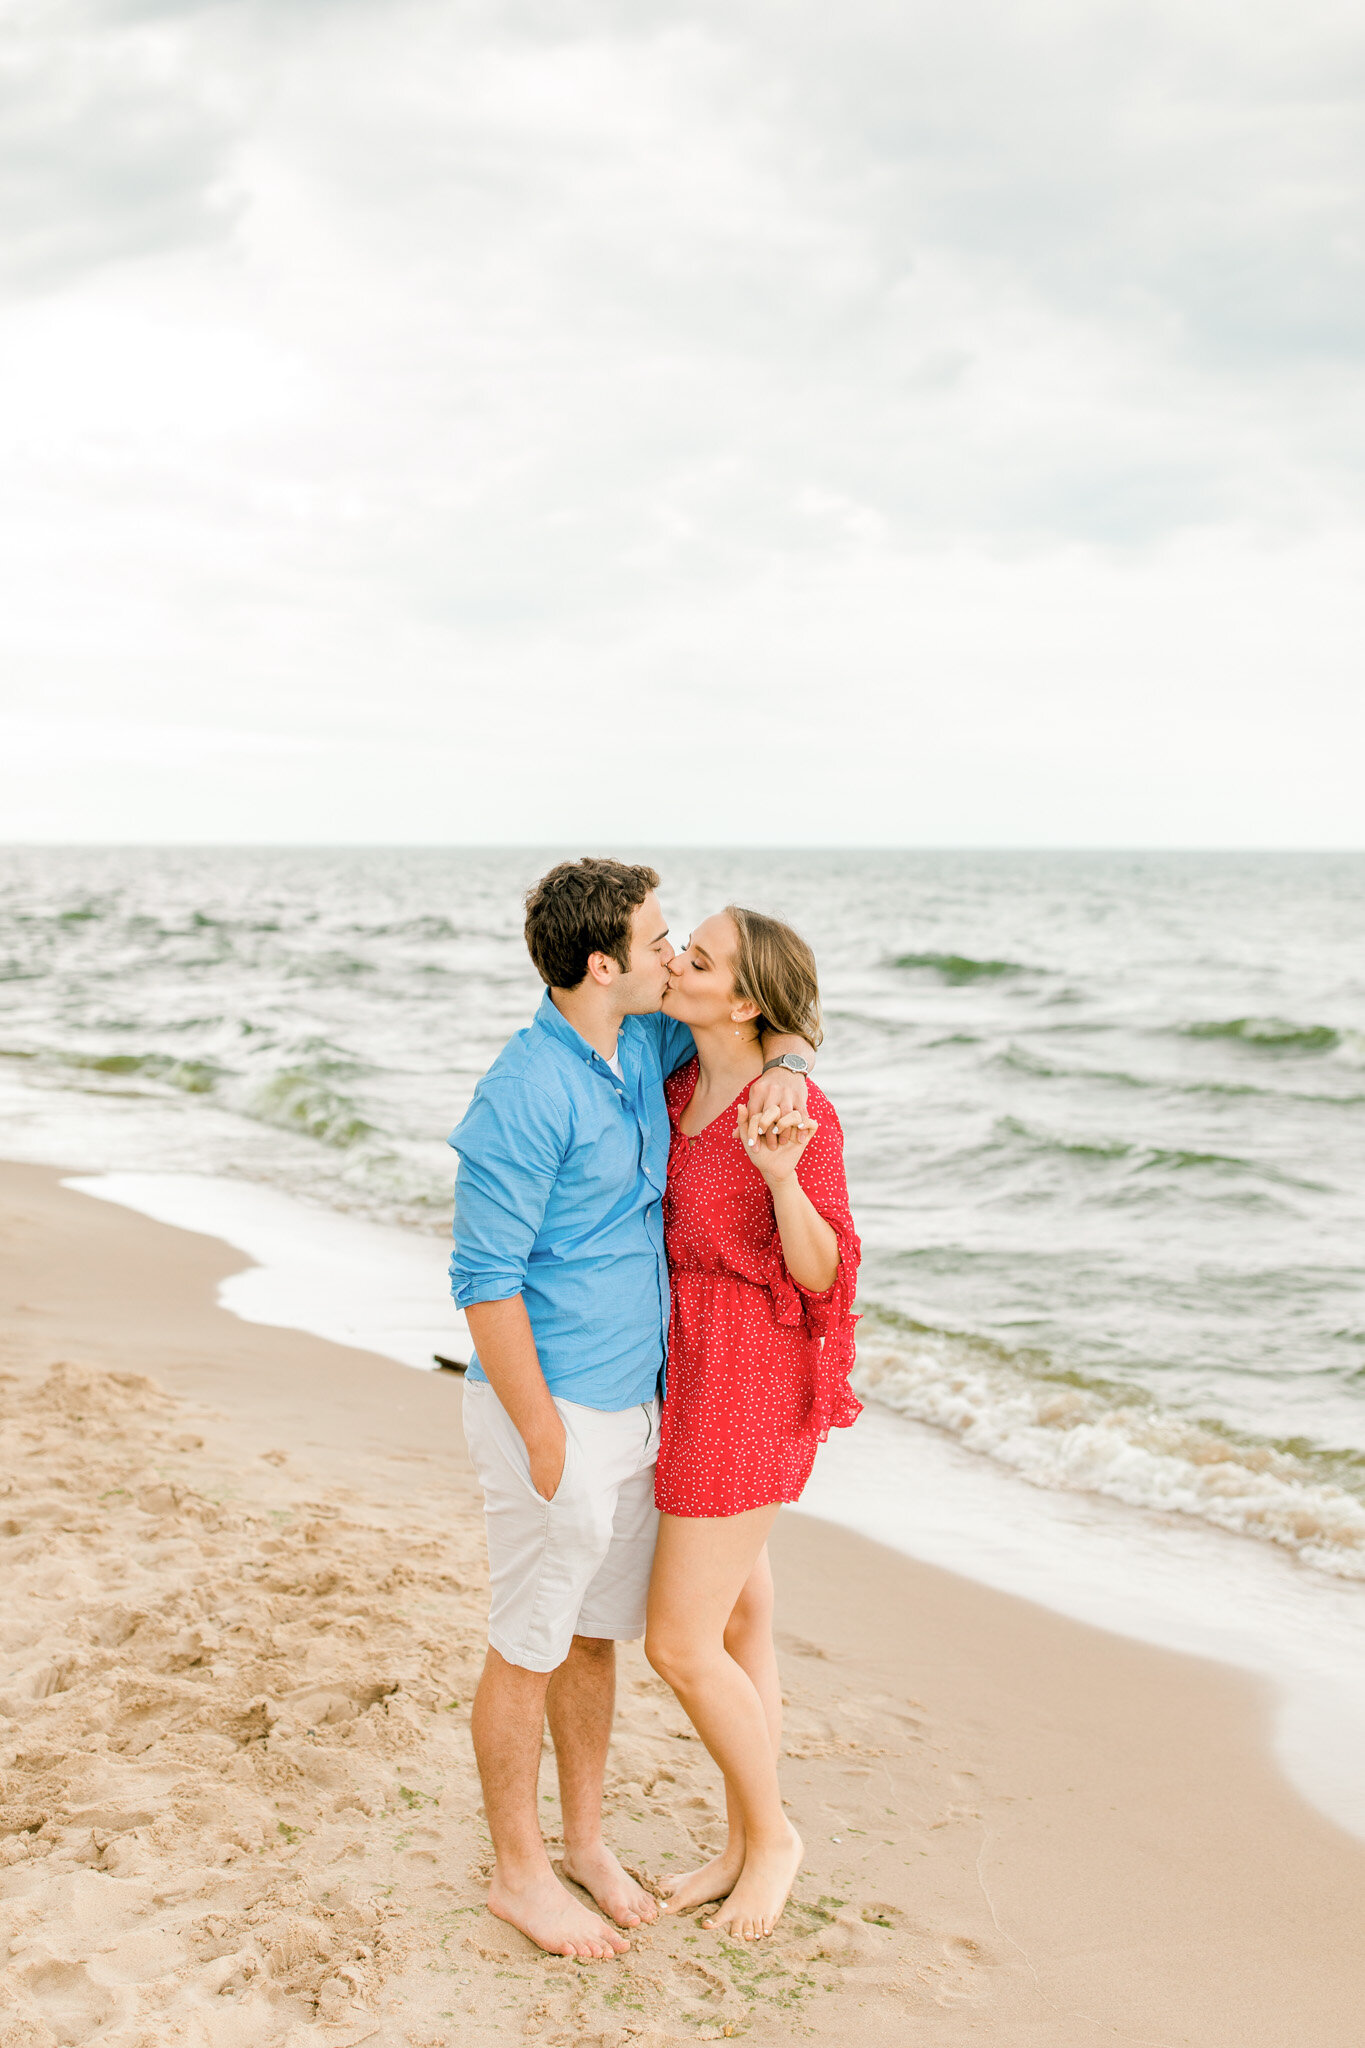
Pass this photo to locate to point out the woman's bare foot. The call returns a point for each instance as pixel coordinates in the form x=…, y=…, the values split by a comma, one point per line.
x=614, y=1889
x=554, y=1919
x=715, y=1880
x=764, y=1885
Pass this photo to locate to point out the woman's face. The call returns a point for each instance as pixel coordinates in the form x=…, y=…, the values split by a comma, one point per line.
x=701, y=986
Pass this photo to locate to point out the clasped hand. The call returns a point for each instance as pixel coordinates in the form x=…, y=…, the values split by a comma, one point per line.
x=778, y=1154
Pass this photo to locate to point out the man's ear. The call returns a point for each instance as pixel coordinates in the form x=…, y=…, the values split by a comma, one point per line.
x=602, y=969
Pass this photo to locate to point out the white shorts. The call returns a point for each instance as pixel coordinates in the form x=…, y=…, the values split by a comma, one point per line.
x=577, y=1564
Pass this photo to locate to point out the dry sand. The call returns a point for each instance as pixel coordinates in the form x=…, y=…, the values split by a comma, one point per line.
x=243, y=1580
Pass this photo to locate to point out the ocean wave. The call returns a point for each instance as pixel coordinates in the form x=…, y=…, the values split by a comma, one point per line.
x=427, y=927
x=300, y=1097
x=1268, y=1034
x=327, y=967
x=295, y=1099
x=191, y=1077
x=1020, y=1060
x=1071, y=1148
x=959, y=969
x=1060, y=1430
x=1141, y=1158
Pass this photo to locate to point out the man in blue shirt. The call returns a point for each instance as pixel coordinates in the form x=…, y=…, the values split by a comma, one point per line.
x=560, y=1269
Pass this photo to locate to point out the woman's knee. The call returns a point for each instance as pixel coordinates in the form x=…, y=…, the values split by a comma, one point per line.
x=661, y=1651
x=676, y=1655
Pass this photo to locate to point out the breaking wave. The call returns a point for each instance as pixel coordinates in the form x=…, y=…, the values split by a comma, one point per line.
x=191, y=1077
x=297, y=1100
x=301, y=1097
x=1059, y=1430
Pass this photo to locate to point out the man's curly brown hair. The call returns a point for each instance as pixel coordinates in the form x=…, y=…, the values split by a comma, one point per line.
x=582, y=907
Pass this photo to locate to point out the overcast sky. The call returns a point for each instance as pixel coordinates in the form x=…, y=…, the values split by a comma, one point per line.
x=607, y=421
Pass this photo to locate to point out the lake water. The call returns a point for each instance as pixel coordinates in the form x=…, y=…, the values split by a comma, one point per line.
x=1105, y=1113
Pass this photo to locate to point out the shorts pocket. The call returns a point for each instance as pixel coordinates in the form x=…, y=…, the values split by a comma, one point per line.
x=558, y=1497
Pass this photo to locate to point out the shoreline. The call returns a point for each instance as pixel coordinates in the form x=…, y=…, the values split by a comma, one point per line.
x=1167, y=1579
x=1021, y=1829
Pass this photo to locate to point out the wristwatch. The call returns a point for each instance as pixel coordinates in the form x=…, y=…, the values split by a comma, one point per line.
x=792, y=1061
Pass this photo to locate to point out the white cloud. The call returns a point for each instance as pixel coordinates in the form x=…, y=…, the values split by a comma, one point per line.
x=529, y=398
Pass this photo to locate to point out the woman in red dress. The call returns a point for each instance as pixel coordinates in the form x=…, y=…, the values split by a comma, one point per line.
x=763, y=1260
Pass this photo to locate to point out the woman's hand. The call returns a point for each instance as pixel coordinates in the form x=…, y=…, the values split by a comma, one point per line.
x=778, y=1161
x=809, y=1245
x=773, y=1096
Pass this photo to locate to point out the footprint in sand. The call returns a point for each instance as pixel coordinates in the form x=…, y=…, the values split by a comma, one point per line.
x=65, y=1996
x=952, y=1970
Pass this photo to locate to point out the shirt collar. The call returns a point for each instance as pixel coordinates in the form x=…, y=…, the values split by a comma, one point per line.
x=550, y=1019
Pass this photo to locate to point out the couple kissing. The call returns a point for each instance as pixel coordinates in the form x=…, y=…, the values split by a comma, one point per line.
x=656, y=1261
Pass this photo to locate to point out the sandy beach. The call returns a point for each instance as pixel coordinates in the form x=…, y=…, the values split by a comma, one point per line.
x=242, y=1625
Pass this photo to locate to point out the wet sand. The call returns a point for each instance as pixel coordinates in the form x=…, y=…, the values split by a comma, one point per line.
x=243, y=1576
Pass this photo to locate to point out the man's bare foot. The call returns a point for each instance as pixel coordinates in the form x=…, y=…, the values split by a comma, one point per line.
x=554, y=1919
x=715, y=1880
x=614, y=1889
x=765, y=1882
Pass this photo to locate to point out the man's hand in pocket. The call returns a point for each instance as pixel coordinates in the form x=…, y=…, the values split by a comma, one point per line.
x=547, y=1456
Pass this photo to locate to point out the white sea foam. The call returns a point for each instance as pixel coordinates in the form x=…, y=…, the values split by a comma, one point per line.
x=1085, y=1440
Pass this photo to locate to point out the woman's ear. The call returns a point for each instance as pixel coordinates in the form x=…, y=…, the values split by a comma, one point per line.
x=744, y=1013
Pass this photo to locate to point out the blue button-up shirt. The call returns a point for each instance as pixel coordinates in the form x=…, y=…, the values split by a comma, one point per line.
x=559, y=1198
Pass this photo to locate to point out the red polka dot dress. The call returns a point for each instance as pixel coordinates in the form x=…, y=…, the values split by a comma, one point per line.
x=757, y=1365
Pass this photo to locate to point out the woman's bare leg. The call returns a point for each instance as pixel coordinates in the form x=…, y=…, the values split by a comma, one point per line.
x=749, y=1640
x=701, y=1565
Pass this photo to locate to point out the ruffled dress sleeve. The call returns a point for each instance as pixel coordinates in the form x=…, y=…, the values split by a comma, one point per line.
x=828, y=1316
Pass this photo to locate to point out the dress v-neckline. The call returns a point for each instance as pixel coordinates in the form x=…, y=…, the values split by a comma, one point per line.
x=692, y=1136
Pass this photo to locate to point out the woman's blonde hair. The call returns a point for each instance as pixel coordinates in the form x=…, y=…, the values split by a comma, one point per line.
x=775, y=968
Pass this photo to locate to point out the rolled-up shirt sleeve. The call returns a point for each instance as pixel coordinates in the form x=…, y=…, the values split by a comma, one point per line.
x=511, y=1142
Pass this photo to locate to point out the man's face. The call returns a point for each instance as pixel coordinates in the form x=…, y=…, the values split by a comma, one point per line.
x=641, y=989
